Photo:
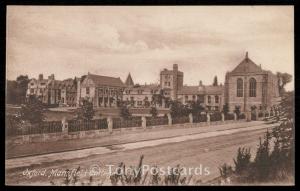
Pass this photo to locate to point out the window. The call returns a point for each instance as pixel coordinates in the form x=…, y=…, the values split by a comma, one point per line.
x=252, y=87
x=239, y=85
x=216, y=99
x=186, y=97
x=194, y=97
x=31, y=91
x=42, y=84
x=87, y=90
x=209, y=99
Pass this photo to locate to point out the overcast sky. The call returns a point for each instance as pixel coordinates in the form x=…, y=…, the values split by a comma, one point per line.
x=113, y=41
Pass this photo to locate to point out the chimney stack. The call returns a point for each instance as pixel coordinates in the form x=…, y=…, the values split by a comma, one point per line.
x=200, y=83
x=40, y=76
x=51, y=77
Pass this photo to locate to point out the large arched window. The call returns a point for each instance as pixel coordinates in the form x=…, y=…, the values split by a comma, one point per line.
x=239, y=87
x=252, y=87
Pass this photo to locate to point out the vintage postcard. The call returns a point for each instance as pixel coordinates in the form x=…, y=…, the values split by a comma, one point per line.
x=149, y=95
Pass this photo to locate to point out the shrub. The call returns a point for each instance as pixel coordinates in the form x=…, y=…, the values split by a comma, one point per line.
x=153, y=112
x=242, y=116
x=225, y=170
x=229, y=116
x=125, y=112
x=242, y=161
x=217, y=116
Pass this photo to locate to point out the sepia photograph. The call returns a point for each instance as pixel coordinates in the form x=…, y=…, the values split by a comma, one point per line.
x=149, y=96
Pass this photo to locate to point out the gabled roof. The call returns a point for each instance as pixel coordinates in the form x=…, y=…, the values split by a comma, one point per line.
x=105, y=80
x=129, y=81
x=214, y=89
x=190, y=90
x=247, y=66
x=144, y=87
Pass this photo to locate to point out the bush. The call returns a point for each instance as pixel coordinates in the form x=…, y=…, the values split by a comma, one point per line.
x=242, y=116
x=242, y=161
x=229, y=116
x=153, y=112
x=125, y=112
x=217, y=116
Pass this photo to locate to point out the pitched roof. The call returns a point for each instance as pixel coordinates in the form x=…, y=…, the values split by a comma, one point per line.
x=247, y=66
x=129, y=81
x=105, y=80
x=143, y=87
x=201, y=90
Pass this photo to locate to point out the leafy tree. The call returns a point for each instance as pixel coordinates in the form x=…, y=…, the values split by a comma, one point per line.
x=261, y=165
x=242, y=161
x=283, y=79
x=32, y=111
x=225, y=109
x=215, y=81
x=22, y=85
x=196, y=107
x=153, y=112
x=146, y=102
x=178, y=109
x=11, y=92
x=86, y=110
x=125, y=112
x=237, y=110
x=158, y=98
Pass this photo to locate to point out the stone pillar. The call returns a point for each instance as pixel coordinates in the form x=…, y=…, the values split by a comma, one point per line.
x=235, y=116
x=223, y=117
x=64, y=125
x=248, y=116
x=191, y=118
x=208, y=119
x=169, y=119
x=109, y=124
x=144, y=122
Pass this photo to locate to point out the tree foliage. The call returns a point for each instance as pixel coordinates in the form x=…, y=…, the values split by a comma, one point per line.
x=153, y=112
x=125, y=112
x=32, y=111
x=283, y=79
x=275, y=155
x=86, y=110
x=178, y=109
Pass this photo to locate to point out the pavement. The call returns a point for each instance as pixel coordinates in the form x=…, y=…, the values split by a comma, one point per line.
x=29, y=149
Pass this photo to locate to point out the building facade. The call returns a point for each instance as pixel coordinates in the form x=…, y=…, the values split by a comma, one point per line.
x=53, y=92
x=141, y=96
x=102, y=91
x=210, y=97
x=248, y=86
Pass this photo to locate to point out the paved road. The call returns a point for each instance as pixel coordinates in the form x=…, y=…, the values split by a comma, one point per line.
x=210, y=149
